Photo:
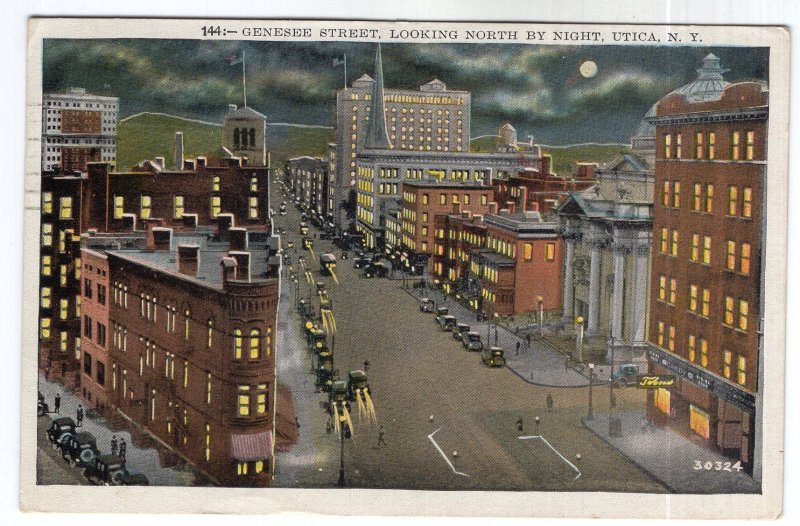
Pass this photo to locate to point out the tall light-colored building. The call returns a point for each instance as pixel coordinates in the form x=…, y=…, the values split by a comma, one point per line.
x=78, y=128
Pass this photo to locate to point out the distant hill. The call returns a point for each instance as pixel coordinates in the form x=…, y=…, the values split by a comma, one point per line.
x=565, y=158
x=149, y=135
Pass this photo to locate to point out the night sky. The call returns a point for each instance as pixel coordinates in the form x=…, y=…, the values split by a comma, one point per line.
x=539, y=89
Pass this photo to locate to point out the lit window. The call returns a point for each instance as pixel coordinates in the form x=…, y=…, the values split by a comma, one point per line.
x=65, y=208
x=665, y=194
x=237, y=344
x=209, y=333
x=244, y=400
x=706, y=250
x=254, y=184
x=442, y=199
x=47, y=234
x=693, y=298
x=208, y=388
x=678, y=145
x=703, y=352
x=661, y=333
x=668, y=146
x=215, y=183
x=145, y=206
x=63, y=309
x=691, y=355
x=44, y=331
x=664, y=240
x=185, y=374
x=698, y=189
x=208, y=442
x=693, y=256
x=674, y=244
x=732, y=200
x=741, y=370
x=662, y=288
x=709, y=198
x=735, y=146
x=178, y=207
x=527, y=251
x=47, y=294
x=673, y=291
x=727, y=358
x=729, y=310
x=216, y=205
x=47, y=202
x=255, y=344
x=706, y=308
x=747, y=199
x=712, y=137
x=744, y=308
x=744, y=259
x=749, y=151
x=119, y=206
x=671, y=338
x=187, y=315
x=550, y=253
x=698, y=145
x=730, y=255
x=241, y=468
x=676, y=194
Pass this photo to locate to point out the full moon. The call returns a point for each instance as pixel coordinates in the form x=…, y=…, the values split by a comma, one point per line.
x=588, y=69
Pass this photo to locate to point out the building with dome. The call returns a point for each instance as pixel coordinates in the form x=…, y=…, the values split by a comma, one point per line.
x=706, y=279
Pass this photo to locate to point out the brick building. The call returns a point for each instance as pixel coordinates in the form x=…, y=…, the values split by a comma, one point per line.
x=539, y=189
x=78, y=128
x=190, y=342
x=95, y=328
x=706, y=280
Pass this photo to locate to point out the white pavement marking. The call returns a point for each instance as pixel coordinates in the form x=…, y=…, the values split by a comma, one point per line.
x=556, y=452
x=444, y=456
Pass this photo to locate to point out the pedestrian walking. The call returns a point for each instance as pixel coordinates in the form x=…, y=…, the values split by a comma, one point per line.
x=518, y=344
x=79, y=416
x=519, y=425
x=57, y=403
x=549, y=402
x=297, y=423
x=123, y=448
x=113, y=444
x=528, y=339
x=328, y=427
x=381, y=437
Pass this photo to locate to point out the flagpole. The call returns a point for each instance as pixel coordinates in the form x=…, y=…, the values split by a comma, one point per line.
x=345, y=70
x=244, y=80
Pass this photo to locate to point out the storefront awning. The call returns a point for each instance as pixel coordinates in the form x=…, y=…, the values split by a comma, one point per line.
x=256, y=446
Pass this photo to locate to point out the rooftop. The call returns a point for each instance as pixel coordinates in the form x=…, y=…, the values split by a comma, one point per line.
x=524, y=224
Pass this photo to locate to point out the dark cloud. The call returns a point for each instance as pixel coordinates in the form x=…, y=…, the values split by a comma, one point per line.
x=537, y=88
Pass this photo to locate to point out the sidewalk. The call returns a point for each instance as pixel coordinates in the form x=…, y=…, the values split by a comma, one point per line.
x=670, y=457
x=138, y=460
x=540, y=364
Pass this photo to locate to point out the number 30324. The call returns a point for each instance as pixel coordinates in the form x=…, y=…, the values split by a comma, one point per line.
x=717, y=466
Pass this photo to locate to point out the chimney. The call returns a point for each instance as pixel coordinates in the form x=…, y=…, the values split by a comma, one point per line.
x=158, y=238
x=178, y=162
x=231, y=108
x=224, y=223
x=242, y=264
x=189, y=220
x=189, y=165
x=546, y=165
x=201, y=161
x=160, y=162
x=237, y=238
x=128, y=222
x=227, y=269
x=188, y=259
x=489, y=177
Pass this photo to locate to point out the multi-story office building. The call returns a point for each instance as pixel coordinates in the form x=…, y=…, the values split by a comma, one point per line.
x=706, y=306
x=78, y=128
x=189, y=349
x=309, y=181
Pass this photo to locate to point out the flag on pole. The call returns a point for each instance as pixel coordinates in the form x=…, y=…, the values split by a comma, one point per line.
x=338, y=62
x=233, y=60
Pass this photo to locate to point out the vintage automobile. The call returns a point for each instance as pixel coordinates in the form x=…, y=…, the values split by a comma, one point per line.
x=626, y=374
x=446, y=322
x=42, y=408
x=80, y=449
x=108, y=470
x=356, y=381
x=303, y=228
x=426, y=305
x=290, y=244
x=493, y=356
x=359, y=262
x=308, y=243
x=460, y=330
x=327, y=263
x=61, y=429
x=338, y=395
x=324, y=370
x=472, y=341
x=378, y=270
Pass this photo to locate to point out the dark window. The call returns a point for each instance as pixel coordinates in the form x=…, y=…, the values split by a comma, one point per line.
x=87, y=326
x=87, y=288
x=252, y=137
x=101, y=373
x=101, y=294
x=87, y=363
x=236, y=137
x=101, y=333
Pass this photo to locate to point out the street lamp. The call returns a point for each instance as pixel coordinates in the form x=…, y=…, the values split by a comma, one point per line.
x=536, y=420
x=614, y=428
x=590, y=416
x=496, y=316
x=579, y=338
x=343, y=427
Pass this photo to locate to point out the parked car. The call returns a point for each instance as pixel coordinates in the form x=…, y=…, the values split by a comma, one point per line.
x=460, y=330
x=626, y=374
x=493, y=356
x=441, y=311
x=80, y=449
x=472, y=341
x=60, y=430
x=108, y=470
x=378, y=270
x=426, y=305
x=446, y=322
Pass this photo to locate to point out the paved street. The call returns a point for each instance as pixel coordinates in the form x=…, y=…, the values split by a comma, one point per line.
x=416, y=371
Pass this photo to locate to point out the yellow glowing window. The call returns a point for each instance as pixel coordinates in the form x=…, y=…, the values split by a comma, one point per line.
x=678, y=145
x=693, y=298
x=442, y=199
x=698, y=421
x=735, y=140
x=187, y=315
x=254, y=184
x=693, y=255
x=65, y=208
x=730, y=255
x=674, y=244
x=255, y=344
x=119, y=206
x=63, y=341
x=252, y=211
x=78, y=268
x=698, y=190
x=703, y=352
x=671, y=338
x=185, y=374
x=47, y=234
x=208, y=442
x=662, y=288
x=744, y=259
x=676, y=194
x=261, y=400
x=732, y=200
x=692, y=349
x=527, y=251
x=661, y=400
x=47, y=202
x=241, y=468
x=664, y=238
x=178, y=207
x=729, y=310
x=673, y=291
x=747, y=200
x=466, y=199
x=215, y=183
x=62, y=241
x=63, y=310
x=706, y=307
x=550, y=252
x=668, y=146
x=661, y=333
x=208, y=388
x=45, y=328
x=237, y=344
x=744, y=309
x=216, y=205
x=709, y=198
x=749, y=152
x=712, y=138
x=244, y=400
x=741, y=370
x=706, y=250
x=63, y=275
x=698, y=145
x=47, y=294
x=209, y=333
x=727, y=358
x=259, y=466
x=145, y=204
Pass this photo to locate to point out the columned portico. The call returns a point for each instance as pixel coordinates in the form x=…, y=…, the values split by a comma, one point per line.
x=639, y=307
x=617, y=296
x=569, y=257
x=594, y=287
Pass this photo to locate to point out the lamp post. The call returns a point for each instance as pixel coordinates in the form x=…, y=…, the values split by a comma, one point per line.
x=613, y=422
x=579, y=338
x=590, y=416
x=540, y=303
x=496, y=316
x=341, y=450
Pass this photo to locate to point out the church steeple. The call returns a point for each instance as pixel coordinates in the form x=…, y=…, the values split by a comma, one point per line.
x=377, y=136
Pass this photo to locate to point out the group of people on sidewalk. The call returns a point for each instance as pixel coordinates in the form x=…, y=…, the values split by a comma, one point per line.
x=118, y=446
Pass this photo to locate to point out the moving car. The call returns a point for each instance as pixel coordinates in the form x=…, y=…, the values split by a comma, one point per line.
x=472, y=341
x=327, y=263
x=626, y=374
x=493, y=356
x=460, y=330
x=446, y=322
x=378, y=270
x=356, y=380
x=426, y=305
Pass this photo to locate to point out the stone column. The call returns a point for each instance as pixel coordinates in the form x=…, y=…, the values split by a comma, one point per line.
x=594, y=287
x=569, y=277
x=617, y=297
x=639, y=304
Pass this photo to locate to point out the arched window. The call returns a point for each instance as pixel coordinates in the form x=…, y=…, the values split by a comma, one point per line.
x=186, y=316
x=209, y=332
x=255, y=344
x=236, y=137
x=237, y=344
